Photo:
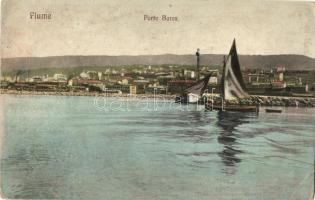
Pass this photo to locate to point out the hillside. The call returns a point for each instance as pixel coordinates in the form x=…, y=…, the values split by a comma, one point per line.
x=249, y=61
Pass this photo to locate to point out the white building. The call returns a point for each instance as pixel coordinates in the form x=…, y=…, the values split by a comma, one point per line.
x=124, y=81
x=84, y=75
x=60, y=77
x=213, y=80
x=100, y=75
x=189, y=73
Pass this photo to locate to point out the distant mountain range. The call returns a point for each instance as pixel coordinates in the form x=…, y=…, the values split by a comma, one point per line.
x=292, y=62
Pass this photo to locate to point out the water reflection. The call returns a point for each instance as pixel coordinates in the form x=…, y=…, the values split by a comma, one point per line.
x=228, y=122
x=141, y=155
x=194, y=122
x=189, y=126
x=27, y=173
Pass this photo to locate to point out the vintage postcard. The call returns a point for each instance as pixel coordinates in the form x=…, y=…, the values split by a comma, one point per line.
x=157, y=100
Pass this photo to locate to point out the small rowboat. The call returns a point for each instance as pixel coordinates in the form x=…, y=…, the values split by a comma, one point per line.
x=270, y=110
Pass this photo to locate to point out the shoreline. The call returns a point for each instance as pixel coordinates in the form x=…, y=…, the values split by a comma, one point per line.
x=88, y=94
x=261, y=100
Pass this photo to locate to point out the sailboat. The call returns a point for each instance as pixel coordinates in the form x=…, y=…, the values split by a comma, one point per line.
x=194, y=93
x=232, y=85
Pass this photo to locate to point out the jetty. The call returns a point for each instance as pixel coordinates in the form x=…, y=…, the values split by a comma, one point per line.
x=255, y=100
x=235, y=97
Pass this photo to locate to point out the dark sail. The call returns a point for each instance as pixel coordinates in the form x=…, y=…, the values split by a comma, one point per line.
x=199, y=87
x=232, y=81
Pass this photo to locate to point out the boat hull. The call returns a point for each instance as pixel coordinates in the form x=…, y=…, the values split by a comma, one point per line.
x=234, y=108
x=192, y=98
x=268, y=110
x=186, y=99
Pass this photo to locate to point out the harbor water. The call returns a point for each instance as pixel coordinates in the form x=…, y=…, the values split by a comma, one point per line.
x=63, y=147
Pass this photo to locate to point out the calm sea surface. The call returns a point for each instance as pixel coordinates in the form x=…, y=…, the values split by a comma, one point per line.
x=86, y=148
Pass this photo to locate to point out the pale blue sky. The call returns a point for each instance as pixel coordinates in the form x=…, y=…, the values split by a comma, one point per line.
x=86, y=27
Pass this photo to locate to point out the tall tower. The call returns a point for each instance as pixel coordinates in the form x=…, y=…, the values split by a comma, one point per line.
x=198, y=64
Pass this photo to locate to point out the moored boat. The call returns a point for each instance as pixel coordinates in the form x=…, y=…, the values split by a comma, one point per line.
x=271, y=110
x=193, y=94
x=233, y=87
x=235, y=108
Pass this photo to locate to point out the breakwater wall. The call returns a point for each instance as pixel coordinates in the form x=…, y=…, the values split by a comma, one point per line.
x=268, y=101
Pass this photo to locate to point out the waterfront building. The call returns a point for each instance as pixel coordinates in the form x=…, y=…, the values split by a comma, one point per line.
x=100, y=75
x=141, y=85
x=51, y=86
x=156, y=90
x=36, y=79
x=118, y=87
x=298, y=89
x=141, y=81
x=6, y=78
x=213, y=80
x=84, y=75
x=79, y=88
x=280, y=78
x=189, y=74
x=124, y=81
x=113, y=78
x=82, y=82
x=132, y=89
x=164, y=79
x=280, y=69
x=93, y=75
x=4, y=84
x=70, y=82
x=280, y=73
x=278, y=85
x=163, y=74
x=60, y=77
x=48, y=79
x=258, y=88
x=257, y=78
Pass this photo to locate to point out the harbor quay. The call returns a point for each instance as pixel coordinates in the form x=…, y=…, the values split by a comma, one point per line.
x=261, y=100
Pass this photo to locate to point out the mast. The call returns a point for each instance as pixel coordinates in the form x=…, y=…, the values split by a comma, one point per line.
x=222, y=78
x=198, y=63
